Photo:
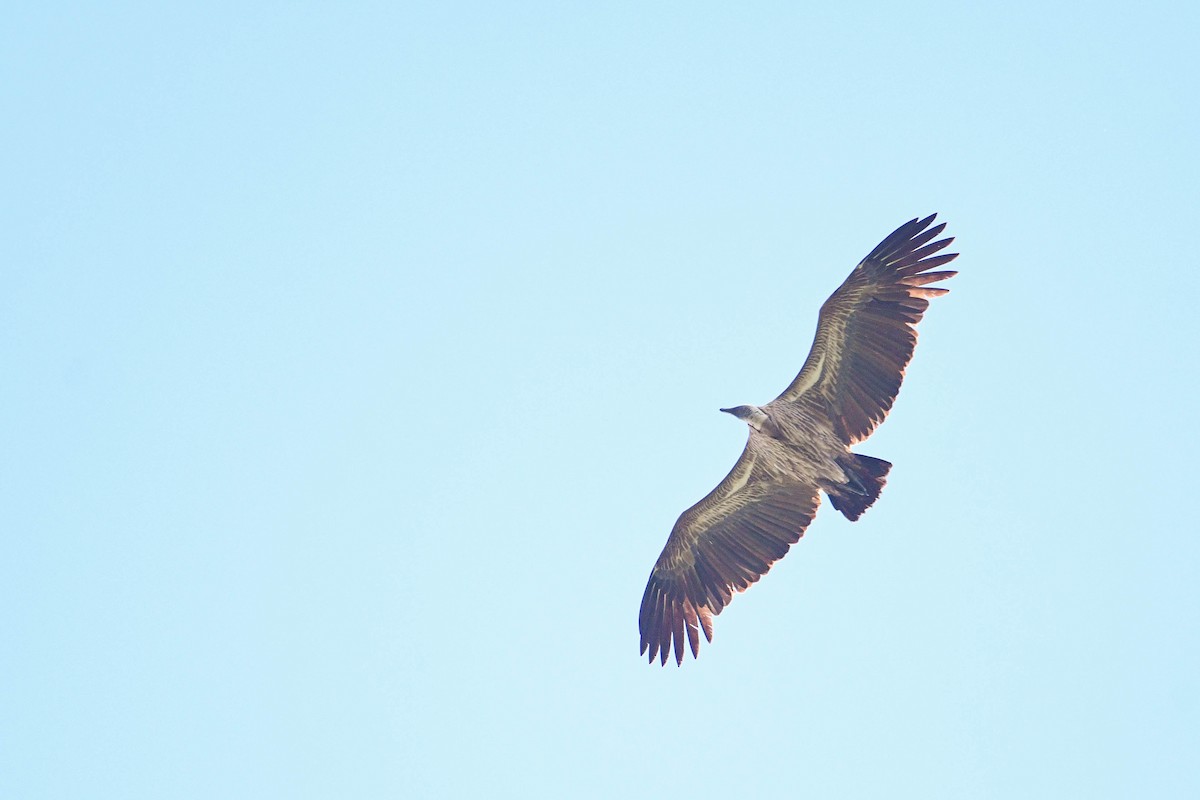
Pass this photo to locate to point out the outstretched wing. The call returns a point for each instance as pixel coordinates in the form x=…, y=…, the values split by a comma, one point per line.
x=866, y=331
x=719, y=546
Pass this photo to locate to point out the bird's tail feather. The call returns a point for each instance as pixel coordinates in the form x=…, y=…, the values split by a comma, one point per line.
x=866, y=477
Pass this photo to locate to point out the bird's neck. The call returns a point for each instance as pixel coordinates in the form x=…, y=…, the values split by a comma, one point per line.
x=757, y=419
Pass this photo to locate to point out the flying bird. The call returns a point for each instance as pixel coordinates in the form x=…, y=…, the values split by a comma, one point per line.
x=799, y=444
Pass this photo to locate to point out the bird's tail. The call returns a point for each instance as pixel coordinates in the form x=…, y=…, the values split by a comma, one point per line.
x=865, y=479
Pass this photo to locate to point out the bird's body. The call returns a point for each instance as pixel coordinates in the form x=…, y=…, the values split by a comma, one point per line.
x=790, y=439
x=799, y=444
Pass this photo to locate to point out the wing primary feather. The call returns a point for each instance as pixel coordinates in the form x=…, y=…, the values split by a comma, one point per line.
x=677, y=630
x=929, y=263
x=706, y=623
x=922, y=278
x=693, y=631
x=921, y=238
x=898, y=238
x=910, y=258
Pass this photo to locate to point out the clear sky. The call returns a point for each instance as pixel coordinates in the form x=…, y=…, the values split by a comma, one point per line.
x=359, y=357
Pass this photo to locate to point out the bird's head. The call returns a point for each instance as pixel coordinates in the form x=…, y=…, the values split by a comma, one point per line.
x=751, y=415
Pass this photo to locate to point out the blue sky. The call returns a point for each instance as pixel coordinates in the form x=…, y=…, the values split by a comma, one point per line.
x=361, y=356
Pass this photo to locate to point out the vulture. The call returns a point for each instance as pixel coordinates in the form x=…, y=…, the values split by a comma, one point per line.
x=799, y=444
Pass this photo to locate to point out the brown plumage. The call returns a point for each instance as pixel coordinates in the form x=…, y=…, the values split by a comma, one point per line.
x=799, y=444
